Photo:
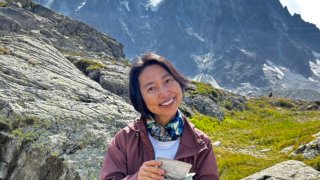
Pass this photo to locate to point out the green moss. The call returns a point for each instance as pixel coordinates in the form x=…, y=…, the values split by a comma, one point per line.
x=27, y=129
x=19, y=122
x=86, y=65
x=95, y=67
x=54, y=153
x=24, y=128
x=24, y=135
x=3, y=4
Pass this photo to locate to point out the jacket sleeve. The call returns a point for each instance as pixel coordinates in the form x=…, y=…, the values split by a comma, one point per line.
x=206, y=165
x=114, y=166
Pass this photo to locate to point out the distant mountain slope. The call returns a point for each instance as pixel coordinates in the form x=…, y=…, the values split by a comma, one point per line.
x=228, y=42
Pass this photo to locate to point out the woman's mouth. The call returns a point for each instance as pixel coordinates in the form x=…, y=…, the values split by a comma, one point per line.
x=167, y=103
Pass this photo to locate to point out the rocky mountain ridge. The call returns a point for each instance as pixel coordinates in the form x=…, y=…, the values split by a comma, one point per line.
x=232, y=44
x=63, y=97
x=60, y=31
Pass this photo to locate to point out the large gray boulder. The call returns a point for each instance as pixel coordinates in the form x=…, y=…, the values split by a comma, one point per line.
x=204, y=105
x=288, y=170
x=115, y=79
x=112, y=75
x=55, y=122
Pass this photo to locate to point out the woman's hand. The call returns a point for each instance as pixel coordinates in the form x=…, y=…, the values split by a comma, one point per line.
x=150, y=170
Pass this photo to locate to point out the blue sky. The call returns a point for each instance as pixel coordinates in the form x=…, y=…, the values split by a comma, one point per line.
x=308, y=9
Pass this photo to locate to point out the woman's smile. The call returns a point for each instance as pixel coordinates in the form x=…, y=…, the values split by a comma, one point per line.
x=167, y=103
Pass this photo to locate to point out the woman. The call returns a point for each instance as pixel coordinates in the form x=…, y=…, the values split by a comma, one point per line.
x=156, y=91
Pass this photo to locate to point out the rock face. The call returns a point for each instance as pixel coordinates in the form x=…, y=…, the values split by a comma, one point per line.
x=289, y=170
x=55, y=122
x=310, y=150
x=224, y=42
x=112, y=75
x=115, y=79
x=64, y=118
x=205, y=105
x=63, y=33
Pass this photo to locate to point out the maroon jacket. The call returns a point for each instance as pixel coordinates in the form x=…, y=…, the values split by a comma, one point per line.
x=131, y=147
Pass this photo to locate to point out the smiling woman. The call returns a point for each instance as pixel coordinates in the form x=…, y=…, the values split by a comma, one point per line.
x=156, y=90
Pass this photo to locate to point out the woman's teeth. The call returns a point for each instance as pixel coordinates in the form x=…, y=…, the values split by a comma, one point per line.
x=167, y=103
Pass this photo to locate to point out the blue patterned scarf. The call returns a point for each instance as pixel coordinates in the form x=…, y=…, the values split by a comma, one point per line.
x=172, y=131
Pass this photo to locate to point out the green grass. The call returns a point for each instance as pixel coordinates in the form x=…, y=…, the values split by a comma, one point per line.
x=236, y=165
x=205, y=89
x=314, y=163
x=272, y=124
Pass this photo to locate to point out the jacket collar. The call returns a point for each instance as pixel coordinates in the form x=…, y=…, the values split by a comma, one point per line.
x=191, y=142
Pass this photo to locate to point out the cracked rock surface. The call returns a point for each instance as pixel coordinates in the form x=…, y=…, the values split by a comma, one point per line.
x=55, y=121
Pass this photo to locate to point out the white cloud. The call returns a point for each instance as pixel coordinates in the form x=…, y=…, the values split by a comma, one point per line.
x=308, y=9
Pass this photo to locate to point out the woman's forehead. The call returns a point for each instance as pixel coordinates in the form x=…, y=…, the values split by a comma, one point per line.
x=155, y=70
x=152, y=73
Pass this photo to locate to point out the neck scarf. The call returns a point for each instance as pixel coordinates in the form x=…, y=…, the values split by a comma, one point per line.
x=172, y=131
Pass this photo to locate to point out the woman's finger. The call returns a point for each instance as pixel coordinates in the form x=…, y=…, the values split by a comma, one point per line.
x=151, y=175
x=152, y=166
x=152, y=163
x=150, y=169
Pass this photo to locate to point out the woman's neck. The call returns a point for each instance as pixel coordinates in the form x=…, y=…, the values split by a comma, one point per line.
x=163, y=121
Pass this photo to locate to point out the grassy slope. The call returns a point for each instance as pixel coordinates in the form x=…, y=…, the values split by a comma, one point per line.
x=252, y=139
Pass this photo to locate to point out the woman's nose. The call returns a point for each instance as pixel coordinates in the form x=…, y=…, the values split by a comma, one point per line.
x=164, y=91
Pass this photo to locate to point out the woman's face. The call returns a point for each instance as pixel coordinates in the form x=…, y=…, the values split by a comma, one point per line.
x=161, y=93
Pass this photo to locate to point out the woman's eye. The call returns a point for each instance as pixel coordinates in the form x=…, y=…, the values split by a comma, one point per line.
x=169, y=80
x=151, y=89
